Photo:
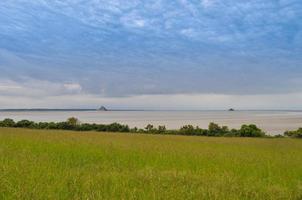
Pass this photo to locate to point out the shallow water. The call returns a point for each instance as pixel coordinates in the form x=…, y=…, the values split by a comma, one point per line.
x=273, y=122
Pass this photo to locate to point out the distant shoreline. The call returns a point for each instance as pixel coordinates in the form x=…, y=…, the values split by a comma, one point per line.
x=58, y=110
x=147, y=110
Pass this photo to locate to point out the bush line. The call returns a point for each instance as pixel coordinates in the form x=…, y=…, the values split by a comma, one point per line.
x=189, y=130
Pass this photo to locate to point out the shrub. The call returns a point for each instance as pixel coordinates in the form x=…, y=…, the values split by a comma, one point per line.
x=278, y=136
x=187, y=130
x=25, y=124
x=216, y=130
x=150, y=128
x=42, y=125
x=52, y=125
x=116, y=127
x=250, y=131
x=213, y=130
x=65, y=125
x=73, y=121
x=134, y=130
x=161, y=129
x=7, y=123
x=296, y=134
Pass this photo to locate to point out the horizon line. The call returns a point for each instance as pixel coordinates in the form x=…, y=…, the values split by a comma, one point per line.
x=129, y=109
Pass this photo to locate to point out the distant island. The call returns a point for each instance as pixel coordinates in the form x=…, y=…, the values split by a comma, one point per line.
x=231, y=109
x=102, y=108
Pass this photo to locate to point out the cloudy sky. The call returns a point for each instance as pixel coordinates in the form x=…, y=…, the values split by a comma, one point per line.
x=186, y=54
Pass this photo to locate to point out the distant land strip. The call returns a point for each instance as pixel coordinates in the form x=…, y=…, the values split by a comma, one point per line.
x=171, y=110
x=214, y=129
x=59, y=109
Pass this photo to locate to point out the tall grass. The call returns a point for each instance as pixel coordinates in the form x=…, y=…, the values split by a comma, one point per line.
x=41, y=164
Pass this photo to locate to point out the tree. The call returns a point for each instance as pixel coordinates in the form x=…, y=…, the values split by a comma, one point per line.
x=134, y=130
x=73, y=121
x=250, y=131
x=150, y=128
x=25, y=124
x=215, y=130
x=296, y=134
x=116, y=127
x=7, y=123
x=161, y=129
x=187, y=130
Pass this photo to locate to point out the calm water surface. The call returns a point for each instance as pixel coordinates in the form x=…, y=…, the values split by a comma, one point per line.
x=274, y=122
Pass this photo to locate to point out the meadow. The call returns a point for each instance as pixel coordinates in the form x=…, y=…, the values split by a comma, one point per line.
x=56, y=164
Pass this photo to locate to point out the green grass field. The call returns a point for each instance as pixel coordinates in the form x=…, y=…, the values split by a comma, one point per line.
x=43, y=164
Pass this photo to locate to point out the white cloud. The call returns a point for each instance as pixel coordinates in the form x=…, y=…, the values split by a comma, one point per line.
x=73, y=87
x=139, y=23
x=189, y=32
x=7, y=88
x=31, y=88
x=191, y=8
x=133, y=20
x=207, y=3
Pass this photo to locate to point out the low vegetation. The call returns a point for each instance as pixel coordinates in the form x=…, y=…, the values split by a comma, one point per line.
x=74, y=124
x=189, y=130
x=294, y=134
x=56, y=164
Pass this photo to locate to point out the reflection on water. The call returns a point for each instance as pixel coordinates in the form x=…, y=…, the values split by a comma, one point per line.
x=274, y=122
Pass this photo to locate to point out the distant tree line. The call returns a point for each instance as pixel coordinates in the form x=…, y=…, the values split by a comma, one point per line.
x=71, y=124
x=294, y=134
x=189, y=130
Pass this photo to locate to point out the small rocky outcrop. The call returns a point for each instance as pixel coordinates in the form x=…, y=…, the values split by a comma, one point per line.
x=102, y=108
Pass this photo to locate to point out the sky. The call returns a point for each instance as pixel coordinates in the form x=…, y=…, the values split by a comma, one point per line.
x=153, y=54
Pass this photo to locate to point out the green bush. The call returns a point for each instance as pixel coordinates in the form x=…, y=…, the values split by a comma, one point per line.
x=25, y=124
x=250, y=131
x=216, y=130
x=187, y=130
x=295, y=134
x=213, y=129
x=7, y=123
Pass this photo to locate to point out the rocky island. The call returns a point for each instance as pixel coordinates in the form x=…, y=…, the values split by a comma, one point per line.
x=102, y=108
